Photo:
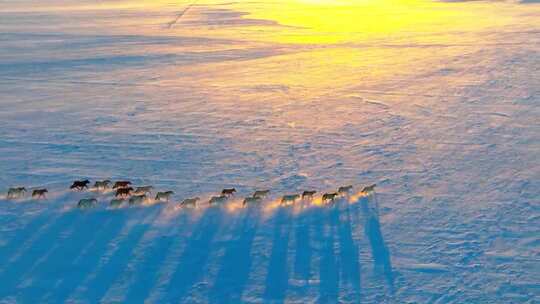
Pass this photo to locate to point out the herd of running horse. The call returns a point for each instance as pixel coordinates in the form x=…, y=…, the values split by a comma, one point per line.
x=126, y=193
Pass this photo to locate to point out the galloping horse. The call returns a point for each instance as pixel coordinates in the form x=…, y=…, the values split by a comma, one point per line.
x=16, y=192
x=87, y=203
x=251, y=200
x=102, y=184
x=228, y=191
x=164, y=195
x=80, y=185
x=344, y=190
x=261, y=193
x=189, y=202
x=218, y=199
x=308, y=195
x=123, y=192
x=329, y=197
x=39, y=193
x=143, y=190
x=286, y=199
x=369, y=188
x=137, y=199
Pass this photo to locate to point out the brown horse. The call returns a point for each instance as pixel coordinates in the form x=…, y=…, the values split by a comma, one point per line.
x=123, y=192
x=39, y=193
x=80, y=185
x=308, y=195
x=344, y=190
x=286, y=199
x=228, y=191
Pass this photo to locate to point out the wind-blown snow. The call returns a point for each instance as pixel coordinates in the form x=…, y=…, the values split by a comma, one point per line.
x=445, y=124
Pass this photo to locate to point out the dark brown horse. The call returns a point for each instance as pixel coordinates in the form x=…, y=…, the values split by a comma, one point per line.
x=228, y=191
x=80, y=185
x=39, y=193
x=123, y=192
x=344, y=190
x=308, y=194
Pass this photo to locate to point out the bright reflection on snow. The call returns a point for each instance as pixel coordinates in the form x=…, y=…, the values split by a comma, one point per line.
x=299, y=21
x=269, y=206
x=357, y=196
x=234, y=205
x=332, y=46
x=359, y=20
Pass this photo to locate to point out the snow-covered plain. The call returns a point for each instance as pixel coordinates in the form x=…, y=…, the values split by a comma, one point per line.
x=444, y=118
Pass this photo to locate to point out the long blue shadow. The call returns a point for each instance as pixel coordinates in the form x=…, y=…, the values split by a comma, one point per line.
x=329, y=268
x=348, y=251
x=277, y=279
x=304, y=251
x=77, y=272
x=10, y=211
x=59, y=263
x=148, y=275
x=23, y=234
x=98, y=286
x=195, y=256
x=236, y=263
x=381, y=254
x=12, y=276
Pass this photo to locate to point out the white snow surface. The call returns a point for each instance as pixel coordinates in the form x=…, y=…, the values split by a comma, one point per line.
x=450, y=134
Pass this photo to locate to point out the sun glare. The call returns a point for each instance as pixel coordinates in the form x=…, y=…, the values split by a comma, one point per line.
x=353, y=21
